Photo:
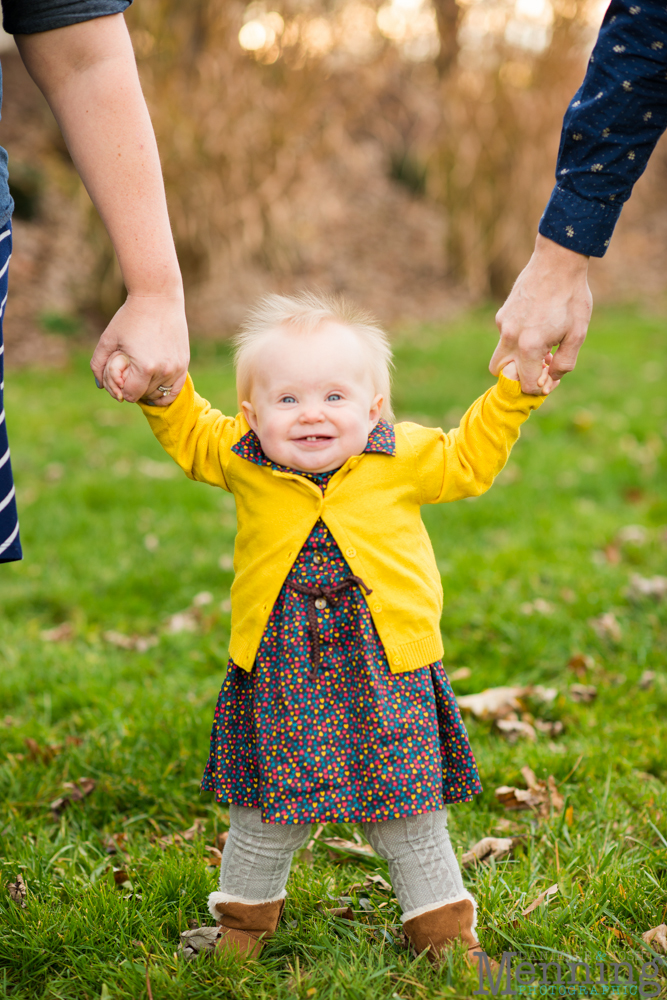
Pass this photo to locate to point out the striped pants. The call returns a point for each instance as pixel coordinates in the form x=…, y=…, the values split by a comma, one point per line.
x=10, y=544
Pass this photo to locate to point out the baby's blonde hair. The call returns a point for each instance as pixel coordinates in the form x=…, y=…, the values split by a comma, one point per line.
x=306, y=312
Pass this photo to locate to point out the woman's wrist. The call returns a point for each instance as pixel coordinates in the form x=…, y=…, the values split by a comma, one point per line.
x=154, y=282
x=165, y=293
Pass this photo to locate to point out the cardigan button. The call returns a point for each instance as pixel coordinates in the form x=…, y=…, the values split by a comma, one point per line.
x=351, y=552
x=396, y=661
x=377, y=608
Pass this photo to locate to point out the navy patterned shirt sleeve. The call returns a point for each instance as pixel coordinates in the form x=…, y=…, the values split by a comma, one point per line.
x=611, y=127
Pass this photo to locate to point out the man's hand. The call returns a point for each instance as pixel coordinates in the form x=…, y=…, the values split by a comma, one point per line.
x=150, y=334
x=545, y=382
x=549, y=305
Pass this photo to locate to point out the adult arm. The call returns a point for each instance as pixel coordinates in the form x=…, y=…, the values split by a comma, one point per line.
x=609, y=132
x=88, y=74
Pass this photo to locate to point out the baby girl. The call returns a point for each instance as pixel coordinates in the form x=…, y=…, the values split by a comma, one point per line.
x=335, y=706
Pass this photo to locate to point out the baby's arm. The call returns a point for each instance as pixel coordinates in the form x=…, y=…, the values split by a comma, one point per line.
x=197, y=437
x=464, y=462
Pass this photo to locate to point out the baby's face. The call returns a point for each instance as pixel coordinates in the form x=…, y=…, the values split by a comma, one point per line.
x=312, y=403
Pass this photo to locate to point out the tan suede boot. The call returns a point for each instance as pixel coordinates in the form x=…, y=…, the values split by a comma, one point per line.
x=245, y=927
x=438, y=929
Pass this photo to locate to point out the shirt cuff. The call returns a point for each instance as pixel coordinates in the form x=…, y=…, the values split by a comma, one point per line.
x=170, y=414
x=579, y=224
x=511, y=392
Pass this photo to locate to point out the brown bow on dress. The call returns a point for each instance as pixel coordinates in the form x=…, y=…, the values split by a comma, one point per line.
x=323, y=592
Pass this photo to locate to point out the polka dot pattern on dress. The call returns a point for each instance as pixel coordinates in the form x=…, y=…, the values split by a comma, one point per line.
x=355, y=744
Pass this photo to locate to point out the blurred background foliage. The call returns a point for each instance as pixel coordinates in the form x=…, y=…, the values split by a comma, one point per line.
x=400, y=151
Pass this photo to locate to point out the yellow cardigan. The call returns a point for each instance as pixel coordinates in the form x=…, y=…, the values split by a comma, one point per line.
x=371, y=507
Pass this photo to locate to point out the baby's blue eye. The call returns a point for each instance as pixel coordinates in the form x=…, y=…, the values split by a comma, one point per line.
x=334, y=397
x=288, y=399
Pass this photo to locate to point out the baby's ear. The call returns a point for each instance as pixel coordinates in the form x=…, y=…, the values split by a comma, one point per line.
x=250, y=415
x=375, y=411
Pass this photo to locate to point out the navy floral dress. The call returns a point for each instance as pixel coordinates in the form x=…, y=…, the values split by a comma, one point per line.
x=340, y=739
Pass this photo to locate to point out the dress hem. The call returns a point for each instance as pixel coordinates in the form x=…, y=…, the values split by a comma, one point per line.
x=328, y=816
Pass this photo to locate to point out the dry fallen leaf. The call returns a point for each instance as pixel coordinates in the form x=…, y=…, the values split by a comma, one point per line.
x=584, y=693
x=18, y=891
x=492, y=703
x=197, y=940
x=543, y=896
x=544, y=694
x=47, y=752
x=612, y=554
x=647, y=586
x=141, y=643
x=503, y=702
x=201, y=599
x=221, y=840
x=339, y=848
x=542, y=796
x=488, y=847
x=376, y=882
x=76, y=792
x=632, y=534
x=196, y=830
x=120, y=875
x=214, y=857
x=549, y=728
x=171, y=840
x=657, y=938
x=462, y=674
x=606, y=626
x=646, y=679
x=343, y=912
x=513, y=728
x=61, y=633
x=115, y=842
x=183, y=621
x=580, y=664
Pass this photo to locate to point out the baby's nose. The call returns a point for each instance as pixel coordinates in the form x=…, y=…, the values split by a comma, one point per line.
x=311, y=415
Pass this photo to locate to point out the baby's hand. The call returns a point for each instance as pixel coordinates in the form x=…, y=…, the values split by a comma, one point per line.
x=511, y=371
x=115, y=372
x=545, y=381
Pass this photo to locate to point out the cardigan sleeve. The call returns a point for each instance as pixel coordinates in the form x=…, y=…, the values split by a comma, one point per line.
x=197, y=437
x=465, y=461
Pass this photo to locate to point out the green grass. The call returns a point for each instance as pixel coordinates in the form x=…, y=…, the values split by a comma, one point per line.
x=112, y=543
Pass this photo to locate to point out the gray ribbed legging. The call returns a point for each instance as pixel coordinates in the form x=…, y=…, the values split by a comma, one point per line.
x=422, y=865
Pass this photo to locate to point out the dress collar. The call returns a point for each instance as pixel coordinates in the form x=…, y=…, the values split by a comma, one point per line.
x=382, y=439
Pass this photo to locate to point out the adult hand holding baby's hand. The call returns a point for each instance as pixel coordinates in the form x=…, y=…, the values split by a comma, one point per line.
x=144, y=346
x=550, y=304
x=545, y=381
